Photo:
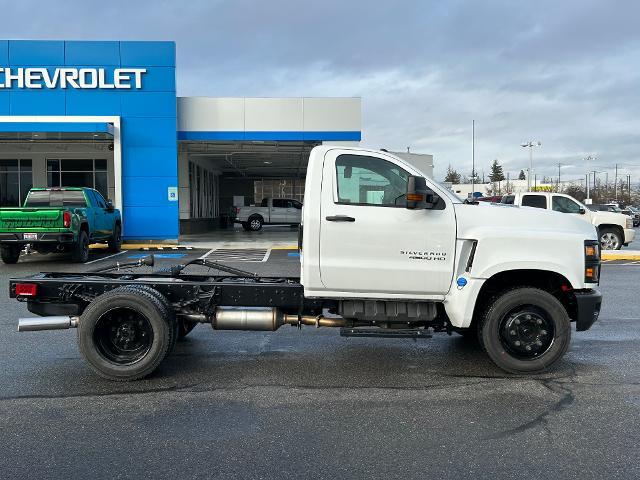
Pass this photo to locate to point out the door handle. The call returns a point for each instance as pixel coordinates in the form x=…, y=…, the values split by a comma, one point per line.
x=340, y=218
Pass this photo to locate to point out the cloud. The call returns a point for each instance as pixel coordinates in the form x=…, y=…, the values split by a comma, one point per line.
x=565, y=73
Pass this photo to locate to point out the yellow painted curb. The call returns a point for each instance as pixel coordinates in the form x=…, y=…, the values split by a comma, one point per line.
x=622, y=256
x=287, y=247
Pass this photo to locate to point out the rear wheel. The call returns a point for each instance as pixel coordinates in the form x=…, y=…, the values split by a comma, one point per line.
x=255, y=224
x=124, y=334
x=10, y=253
x=116, y=239
x=80, y=253
x=525, y=330
x=610, y=239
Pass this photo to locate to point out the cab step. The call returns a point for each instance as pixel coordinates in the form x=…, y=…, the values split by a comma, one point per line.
x=385, y=333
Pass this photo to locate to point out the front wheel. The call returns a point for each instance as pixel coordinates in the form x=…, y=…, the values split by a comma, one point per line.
x=525, y=330
x=10, y=253
x=610, y=239
x=116, y=239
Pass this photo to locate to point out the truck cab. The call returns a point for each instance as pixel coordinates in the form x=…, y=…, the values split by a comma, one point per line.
x=614, y=229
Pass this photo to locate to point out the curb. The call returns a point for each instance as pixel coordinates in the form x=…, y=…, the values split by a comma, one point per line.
x=621, y=255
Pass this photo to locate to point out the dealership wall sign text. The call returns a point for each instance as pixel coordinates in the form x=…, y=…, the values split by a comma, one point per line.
x=78, y=78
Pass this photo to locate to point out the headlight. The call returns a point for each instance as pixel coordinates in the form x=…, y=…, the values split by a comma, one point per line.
x=591, y=261
x=629, y=222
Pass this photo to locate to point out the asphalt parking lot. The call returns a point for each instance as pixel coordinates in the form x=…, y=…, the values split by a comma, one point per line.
x=310, y=404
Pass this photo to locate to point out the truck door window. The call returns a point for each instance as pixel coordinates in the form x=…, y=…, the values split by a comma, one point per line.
x=564, y=205
x=509, y=199
x=536, y=201
x=297, y=205
x=265, y=202
x=364, y=180
x=100, y=201
x=279, y=203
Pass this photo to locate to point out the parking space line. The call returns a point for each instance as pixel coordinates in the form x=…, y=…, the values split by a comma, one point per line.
x=104, y=258
x=207, y=254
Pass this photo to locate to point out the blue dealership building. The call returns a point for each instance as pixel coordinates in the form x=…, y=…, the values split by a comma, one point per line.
x=105, y=114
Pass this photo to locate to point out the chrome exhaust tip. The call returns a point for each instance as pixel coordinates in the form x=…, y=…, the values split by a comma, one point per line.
x=35, y=324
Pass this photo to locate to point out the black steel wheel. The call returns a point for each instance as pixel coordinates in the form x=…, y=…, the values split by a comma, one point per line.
x=525, y=330
x=124, y=334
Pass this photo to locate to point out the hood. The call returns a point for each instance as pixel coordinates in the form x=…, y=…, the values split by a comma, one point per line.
x=599, y=217
x=496, y=219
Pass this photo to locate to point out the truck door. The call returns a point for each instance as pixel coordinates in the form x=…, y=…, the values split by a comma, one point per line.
x=370, y=242
x=278, y=210
x=562, y=204
x=101, y=218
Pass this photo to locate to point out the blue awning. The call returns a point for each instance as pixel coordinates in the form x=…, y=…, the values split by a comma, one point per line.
x=55, y=130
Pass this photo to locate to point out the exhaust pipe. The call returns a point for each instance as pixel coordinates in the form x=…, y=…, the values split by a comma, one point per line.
x=267, y=319
x=36, y=324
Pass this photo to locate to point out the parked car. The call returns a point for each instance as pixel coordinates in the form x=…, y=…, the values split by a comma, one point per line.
x=634, y=213
x=272, y=211
x=614, y=229
x=59, y=220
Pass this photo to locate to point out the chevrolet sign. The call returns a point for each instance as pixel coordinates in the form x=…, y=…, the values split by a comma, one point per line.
x=78, y=78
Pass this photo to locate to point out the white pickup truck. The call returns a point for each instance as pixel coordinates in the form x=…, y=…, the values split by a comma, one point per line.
x=614, y=229
x=384, y=252
x=272, y=211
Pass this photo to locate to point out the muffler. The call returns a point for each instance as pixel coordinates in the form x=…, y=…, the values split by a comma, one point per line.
x=266, y=319
x=35, y=324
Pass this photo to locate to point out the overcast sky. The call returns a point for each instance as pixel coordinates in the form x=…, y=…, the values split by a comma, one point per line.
x=565, y=73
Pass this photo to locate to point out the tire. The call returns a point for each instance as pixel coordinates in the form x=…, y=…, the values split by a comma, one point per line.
x=168, y=312
x=116, y=239
x=123, y=334
x=10, y=253
x=245, y=225
x=80, y=252
x=610, y=239
x=525, y=330
x=255, y=223
x=184, y=328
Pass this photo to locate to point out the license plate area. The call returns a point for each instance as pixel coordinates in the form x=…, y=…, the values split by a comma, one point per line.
x=30, y=236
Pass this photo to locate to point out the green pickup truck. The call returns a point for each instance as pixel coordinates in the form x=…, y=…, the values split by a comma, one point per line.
x=59, y=220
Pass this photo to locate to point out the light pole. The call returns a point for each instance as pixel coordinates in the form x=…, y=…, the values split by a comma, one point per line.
x=587, y=159
x=530, y=144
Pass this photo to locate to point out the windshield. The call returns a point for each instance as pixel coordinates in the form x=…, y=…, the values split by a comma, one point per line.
x=55, y=198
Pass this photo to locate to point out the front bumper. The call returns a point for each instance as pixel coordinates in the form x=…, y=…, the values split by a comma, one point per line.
x=629, y=235
x=589, y=303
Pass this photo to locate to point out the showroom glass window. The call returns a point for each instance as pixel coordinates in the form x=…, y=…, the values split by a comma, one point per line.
x=91, y=173
x=16, y=178
x=364, y=180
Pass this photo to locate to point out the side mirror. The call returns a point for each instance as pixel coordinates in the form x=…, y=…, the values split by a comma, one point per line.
x=110, y=206
x=419, y=195
x=582, y=211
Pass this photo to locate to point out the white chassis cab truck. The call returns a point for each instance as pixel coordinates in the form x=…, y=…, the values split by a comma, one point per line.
x=385, y=252
x=614, y=229
x=272, y=211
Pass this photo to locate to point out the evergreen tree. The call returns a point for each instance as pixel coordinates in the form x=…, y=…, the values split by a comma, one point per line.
x=496, y=175
x=452, y=176
x=522, y=175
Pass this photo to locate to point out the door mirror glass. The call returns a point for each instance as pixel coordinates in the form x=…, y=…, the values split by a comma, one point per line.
x=419, y=195
x=110, y=206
